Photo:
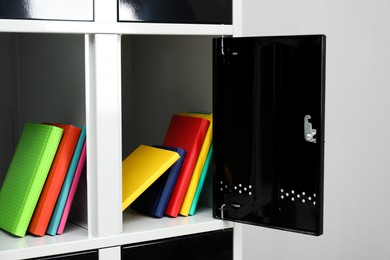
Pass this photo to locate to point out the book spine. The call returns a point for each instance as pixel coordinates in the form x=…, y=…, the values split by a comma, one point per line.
x=189, y=196
x=62, y=198
x=72, y=191
x=184, y=177
x=52, y=187
x=202, y=178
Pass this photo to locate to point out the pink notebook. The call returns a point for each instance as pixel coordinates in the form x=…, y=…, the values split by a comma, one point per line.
x=72, y=191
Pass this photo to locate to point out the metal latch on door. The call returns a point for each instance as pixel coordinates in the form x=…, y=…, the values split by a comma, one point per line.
x=310, y=133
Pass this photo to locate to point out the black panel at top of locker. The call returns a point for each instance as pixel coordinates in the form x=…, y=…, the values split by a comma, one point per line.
x=81, y=10
x=176, y=11
x=268, y=109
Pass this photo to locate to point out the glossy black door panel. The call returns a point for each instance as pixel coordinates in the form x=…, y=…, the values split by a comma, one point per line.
x=81, y=10
x=214, y=245
x=86, y=255
x=268, y=160
x=176, y=11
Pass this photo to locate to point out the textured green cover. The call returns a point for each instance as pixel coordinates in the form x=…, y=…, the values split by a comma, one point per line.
x=26, y=176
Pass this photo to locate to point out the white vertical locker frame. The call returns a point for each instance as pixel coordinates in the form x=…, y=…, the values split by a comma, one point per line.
x=104, y=125
x=105, y=11
x=104, y=128
x=110, y=253
x=237, y=18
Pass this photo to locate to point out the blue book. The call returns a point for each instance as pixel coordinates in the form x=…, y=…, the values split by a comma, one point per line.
x=154, y=200
x=60, y=204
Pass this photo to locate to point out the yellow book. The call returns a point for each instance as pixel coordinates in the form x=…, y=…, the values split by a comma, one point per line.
x=143, y=167
x=189, y=197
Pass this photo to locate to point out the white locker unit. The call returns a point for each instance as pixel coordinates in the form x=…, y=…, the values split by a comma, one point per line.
x=122, y=79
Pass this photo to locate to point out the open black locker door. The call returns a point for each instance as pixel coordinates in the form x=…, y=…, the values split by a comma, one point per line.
x=268, y=116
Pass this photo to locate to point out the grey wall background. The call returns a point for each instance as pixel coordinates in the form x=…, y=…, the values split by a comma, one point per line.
x=41, y=80
x=6, y=102
x=357, y=151
x=162, y=76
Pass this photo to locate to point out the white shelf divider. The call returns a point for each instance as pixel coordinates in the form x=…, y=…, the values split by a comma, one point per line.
x=136, y=228
x=104, y=132
x=77, y=27
x=139, y=228
x=237, y=18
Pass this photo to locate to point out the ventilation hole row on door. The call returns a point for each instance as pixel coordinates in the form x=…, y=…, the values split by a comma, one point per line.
x=298, y=196
x=239, y=188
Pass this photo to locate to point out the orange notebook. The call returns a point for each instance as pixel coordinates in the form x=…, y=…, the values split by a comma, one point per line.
x=53, y=184
x=187, y=133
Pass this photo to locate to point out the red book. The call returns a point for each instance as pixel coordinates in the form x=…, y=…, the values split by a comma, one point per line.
x=55, y=178
x=187, y=133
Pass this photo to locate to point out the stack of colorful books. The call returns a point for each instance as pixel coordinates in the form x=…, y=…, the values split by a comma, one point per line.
x=160, y=180
x=173, y=186
x=42, y=178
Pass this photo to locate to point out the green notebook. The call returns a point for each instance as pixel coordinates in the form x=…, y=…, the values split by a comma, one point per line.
x=26, y=176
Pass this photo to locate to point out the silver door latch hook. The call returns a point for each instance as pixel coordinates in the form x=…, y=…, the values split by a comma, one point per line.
x=310, y=133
